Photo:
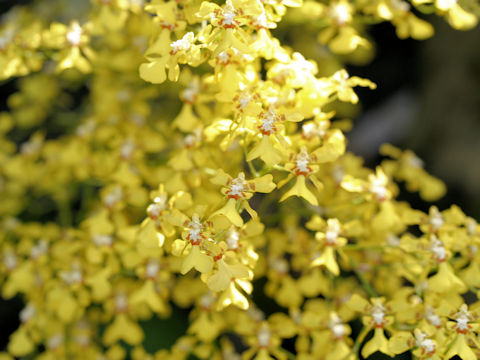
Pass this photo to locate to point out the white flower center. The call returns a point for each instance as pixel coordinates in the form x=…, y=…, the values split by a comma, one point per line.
x=341, y=77
x=55, y=341
x=471, y=226
x=237, y=186
x=255, y=314
x=195, y=234
x=301, y=162
x=261, y=21
x=436, y=220
x=473, y=249
x=127, y=149
x=86, y=128
x=263, y=336
x=74, y=36
x=378, y=188
x=223, y=57
x=233, y=239
x=159, y=205
x=137, y=119
x=102, y=240
x=446, y=4
x=183, y=44
x=280, y=266
x=462, y=323
x=337, y=327
x=333, y=230
x=433, y=318
x=378, y=315
x=3, y=43
x=413, y=160
x=228, y=17
x=207, y=300
x=27, y=313
x=244, y=101
x=189, y=140
x=393, y=240
x=338, y=173
x=82, y=340
x=310, y=130
x=338, y=330
x=152, y=268
x=123, y=95
x=39, y=249
x=113, y=197
x=190, y=94
x=121, y=302
x=426, y=344
x=74, y=276
x=438, y=249
x=10, y=260
x=340, y=13
x=138, y=3
x=268, y=122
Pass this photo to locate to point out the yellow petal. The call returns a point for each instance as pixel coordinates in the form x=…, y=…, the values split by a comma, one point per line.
x=123, y=328
x=358, y=304
x=154, y=72
x=386, y=219
x=419, y=29
x=332, y=149
x=232, y=296
x=300, y=189
x=347, y=41
x=460, y=348
x=100, y=223
x=264, y=184
x=470, y=274
x=220, y=178
x=181, y=161
x=100, y=284
x=148, y=295
x=445, y=280
x=20, y=343
x=186, y=120
x=399, y=342
x=340, y=350
x=328, y=260
x=349, y=183
x=198, y=260
x=229, y=210
x=161, y=46
x=461, y=19
x=378, y=343
x=225, y=274
x=149, y=236
x=205, y=328
x=288, y=294
x=265, y=150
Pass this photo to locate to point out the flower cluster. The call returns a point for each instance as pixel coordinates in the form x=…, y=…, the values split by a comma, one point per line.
x=205, y=161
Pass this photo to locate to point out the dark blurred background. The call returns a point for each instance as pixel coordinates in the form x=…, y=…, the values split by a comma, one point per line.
x=427, y=100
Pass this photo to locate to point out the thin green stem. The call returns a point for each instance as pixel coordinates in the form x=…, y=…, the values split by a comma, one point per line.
x=365, y=284
x=288, y=353
x=64, y=211
x=253, y=171
x=363, y=247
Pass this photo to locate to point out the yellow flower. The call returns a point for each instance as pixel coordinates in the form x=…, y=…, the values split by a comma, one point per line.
x=305, y=165
x=330, y=240
x=238, y=191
